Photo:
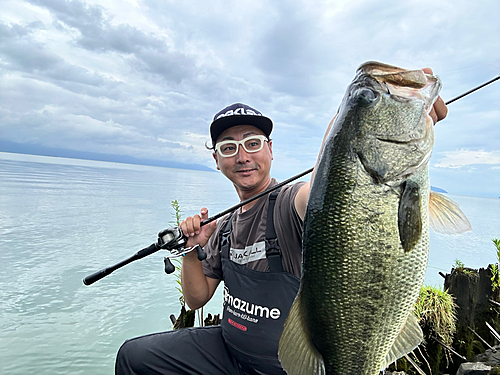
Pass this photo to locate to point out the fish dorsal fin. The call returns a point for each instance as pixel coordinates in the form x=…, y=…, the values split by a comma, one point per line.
x=409, y=216
x=296, y=352
x=445, y=216
x=408, y=339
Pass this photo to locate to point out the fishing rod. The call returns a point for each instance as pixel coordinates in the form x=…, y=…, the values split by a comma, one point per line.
x=472, y=90
x=173, y=239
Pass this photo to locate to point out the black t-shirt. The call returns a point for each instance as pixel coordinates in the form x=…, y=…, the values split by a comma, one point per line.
x=249, y=231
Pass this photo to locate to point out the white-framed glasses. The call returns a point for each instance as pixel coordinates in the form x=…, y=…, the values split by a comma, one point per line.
x=250, y=144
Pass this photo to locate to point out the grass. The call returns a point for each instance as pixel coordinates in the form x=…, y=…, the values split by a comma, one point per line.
x=458, y=264
x=436, y=311
x=495, y=276
x=177, y=262
x=436, y=314
x=496, y=241
x=189, y=314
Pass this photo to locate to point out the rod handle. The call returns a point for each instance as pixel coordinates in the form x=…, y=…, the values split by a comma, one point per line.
x=90, y=279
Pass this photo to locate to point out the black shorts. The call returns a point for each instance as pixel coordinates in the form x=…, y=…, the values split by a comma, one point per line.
x=189, y=351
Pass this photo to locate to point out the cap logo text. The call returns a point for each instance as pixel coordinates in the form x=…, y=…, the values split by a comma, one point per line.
x=238, y=111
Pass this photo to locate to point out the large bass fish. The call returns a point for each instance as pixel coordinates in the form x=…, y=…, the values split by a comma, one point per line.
x=366, y=230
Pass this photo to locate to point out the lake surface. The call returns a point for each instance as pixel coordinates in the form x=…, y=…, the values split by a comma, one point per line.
x=63, y=219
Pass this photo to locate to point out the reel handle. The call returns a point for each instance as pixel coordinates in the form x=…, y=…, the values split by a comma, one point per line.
x=169, y=267
x=201, y=254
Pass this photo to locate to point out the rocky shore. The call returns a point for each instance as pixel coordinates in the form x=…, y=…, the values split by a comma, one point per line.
x=475, y=348
x=487, y=363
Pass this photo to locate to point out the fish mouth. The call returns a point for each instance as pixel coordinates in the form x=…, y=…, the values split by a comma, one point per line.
x=403, y=83
x=404, y=145
x=407, y=85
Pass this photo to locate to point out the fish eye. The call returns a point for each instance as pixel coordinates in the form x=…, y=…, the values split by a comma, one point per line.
x=366, y=96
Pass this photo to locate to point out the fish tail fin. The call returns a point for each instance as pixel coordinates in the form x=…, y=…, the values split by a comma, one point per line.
x=445, y=216
x=296, y=352
x=408, y=339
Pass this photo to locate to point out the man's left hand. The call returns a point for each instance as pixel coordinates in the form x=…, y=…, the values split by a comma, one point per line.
x=439, y=110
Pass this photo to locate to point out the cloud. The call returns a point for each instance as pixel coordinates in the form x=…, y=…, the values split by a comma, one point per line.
x=464, y=157
x=90, y=74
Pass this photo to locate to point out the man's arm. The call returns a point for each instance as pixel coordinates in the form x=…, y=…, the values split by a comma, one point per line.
x=438, y=112
x=197, y=288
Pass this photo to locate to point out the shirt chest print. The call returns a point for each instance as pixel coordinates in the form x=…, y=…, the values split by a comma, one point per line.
x=250, y=253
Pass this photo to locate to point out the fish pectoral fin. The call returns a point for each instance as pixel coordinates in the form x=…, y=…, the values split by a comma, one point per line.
x=445, y=216
x=408, y=339
x=409, y=216
x=296, y=352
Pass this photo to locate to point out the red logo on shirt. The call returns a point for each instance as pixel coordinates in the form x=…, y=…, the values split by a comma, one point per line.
x=237, y=325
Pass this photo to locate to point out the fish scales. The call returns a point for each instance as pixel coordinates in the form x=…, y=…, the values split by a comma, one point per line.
x=371, y=275
x=366, y=230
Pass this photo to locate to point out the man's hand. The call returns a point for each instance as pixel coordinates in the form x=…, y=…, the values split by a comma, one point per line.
x=439, y=110
x=195, y=234
x=196, y=287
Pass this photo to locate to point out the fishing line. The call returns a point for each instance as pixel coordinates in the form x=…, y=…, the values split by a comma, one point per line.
x=436, y=268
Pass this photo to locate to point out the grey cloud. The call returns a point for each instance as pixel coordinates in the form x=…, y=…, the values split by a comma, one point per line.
x=15, y=31
x=74, y=13
x=146, y=53
x=285, y=52
x=20, y=52
x=174, y=67
x=121, y=38
x=292, y=61
x=26, y=56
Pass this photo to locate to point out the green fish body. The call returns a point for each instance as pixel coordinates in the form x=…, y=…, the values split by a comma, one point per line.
x=366, y=229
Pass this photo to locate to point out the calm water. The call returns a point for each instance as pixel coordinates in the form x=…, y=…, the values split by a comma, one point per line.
x=62, y=219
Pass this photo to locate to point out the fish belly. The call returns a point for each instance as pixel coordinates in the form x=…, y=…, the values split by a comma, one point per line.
x=358, y=284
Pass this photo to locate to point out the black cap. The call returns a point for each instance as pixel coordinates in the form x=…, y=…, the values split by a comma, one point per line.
x=239, y=114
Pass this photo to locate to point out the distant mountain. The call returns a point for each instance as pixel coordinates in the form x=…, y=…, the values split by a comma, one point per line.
x=20, y=148
x=438, y=190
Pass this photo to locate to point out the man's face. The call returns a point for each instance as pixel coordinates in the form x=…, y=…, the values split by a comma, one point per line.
x=247, y=171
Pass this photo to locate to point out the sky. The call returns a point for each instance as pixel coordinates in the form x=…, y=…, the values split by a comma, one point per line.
x=144, y=78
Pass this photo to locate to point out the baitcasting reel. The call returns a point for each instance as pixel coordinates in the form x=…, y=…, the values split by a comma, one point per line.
x=173, y=240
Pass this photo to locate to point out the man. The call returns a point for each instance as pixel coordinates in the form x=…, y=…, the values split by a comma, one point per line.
x=260, y=282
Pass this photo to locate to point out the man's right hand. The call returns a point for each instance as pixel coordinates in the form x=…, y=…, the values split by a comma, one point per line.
x=196, y=287
x=195, y=234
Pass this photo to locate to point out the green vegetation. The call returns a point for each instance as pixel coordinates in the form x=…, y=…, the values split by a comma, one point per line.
x=459, y=265
x=436, y=310
x=496, y=241
x=436, y=313
x=495, y=280
x=495, y=277
x=187, y=317
x=177, y=262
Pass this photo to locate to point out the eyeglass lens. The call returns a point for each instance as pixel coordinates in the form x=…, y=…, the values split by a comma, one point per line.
x=250, y=145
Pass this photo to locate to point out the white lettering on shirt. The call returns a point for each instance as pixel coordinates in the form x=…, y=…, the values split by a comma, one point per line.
x=249, y=254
